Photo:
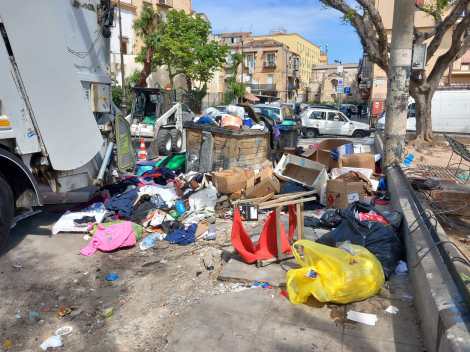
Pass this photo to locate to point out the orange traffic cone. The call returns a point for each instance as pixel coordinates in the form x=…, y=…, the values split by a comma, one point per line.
x=142, y=152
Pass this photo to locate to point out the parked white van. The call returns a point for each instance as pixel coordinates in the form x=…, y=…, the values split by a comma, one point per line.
x=450, y=112
x=318, y=121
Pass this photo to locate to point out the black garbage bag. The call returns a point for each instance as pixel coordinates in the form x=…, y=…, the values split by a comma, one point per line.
x=381, y=240
x=331, y=218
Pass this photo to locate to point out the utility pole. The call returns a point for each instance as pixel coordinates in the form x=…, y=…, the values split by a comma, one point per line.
x=123, y=83
x=399, y=81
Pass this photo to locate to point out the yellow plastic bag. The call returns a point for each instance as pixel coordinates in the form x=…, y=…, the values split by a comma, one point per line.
x=339, y=275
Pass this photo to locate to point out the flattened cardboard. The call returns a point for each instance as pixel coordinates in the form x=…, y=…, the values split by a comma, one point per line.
x=231, y=181
x=265, y=187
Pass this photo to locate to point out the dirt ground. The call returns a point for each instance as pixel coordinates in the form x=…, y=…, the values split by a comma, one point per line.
x=43, y=275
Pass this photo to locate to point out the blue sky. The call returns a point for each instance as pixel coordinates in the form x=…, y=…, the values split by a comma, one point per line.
x=307, y=17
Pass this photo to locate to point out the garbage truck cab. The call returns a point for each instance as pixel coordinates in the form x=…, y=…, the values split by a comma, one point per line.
x=56, y=114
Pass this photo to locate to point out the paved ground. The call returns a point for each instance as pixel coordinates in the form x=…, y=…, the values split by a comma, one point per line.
x=168, y=300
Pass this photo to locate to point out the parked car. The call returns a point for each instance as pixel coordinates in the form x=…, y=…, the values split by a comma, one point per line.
x=349, y=110
x=318, y=121
x=410, y=121
x=281, y=113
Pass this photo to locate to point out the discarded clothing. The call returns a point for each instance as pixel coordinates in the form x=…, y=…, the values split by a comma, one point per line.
x=266, y=247
x=123, y=203
x=106, y=239
x=382, y=240
x=158, y=202
x=85, y=220
x=118, y=187
x=160, y=175
x=138, y=229
x=166, y=193
x=183, y=236
x=142, y=209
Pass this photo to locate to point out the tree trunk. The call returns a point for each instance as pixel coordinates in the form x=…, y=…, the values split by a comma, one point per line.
x=147, y=69
x=398, y=82
x=423, y=102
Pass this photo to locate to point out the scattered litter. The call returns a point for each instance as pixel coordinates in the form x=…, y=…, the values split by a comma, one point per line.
x=18, y=315
x=363, y=318
x=112, y=277
x=34, y=316
x=261, y=284
x=67, y=222
x=107, y=312
x=150, y=240
x=392, y=310
x=51, y=342
x=401, y=268
x=64, y=331
x=64, y=311
x=7, y=344
x=17, y=266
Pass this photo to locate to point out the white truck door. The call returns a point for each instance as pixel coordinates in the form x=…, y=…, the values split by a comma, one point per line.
x=37, y=34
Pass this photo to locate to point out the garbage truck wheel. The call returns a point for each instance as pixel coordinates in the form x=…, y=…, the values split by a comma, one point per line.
x=7, y=211
x=176, y=141
x=164, y=142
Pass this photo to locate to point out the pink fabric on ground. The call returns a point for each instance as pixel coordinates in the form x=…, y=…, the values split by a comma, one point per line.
x=110, y=238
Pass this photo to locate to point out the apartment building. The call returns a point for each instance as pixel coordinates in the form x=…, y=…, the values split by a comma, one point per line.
x=373, y=80
x=131, y=44
x=269, y=67
x=308, y=52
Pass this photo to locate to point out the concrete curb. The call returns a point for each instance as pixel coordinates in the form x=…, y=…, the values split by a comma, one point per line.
x=442, y=308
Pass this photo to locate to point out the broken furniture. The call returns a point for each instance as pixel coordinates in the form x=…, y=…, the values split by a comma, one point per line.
x=274, y=243
x=461, y=151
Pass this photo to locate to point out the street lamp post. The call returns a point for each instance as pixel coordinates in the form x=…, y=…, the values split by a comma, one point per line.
x=123, y=85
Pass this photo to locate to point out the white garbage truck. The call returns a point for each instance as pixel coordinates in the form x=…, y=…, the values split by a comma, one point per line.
x=58, y=127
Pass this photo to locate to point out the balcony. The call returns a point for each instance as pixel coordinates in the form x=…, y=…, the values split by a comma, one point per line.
x=165, y=3
x=261, y=87
x=269, y=64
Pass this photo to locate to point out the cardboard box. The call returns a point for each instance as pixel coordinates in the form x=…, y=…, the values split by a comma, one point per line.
x=340, y=194
x=231, y=181
x=361, y=160
x=265, y=187
x=303, y=171
x=323, y=154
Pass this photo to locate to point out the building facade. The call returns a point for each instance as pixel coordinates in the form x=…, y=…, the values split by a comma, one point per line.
x=308, y=52
x=131, y=44
x=325, y=84
x=373, y=80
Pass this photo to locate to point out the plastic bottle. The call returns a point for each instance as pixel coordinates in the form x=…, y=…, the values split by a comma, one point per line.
x=408, y=160
x=180, y=208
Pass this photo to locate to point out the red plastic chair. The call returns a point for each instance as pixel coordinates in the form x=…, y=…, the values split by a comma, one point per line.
x=266, y=247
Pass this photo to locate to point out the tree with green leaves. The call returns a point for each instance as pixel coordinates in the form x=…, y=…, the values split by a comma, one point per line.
x=235, y=90
x=451, y=18
x=116, y=89
x=184, y=47
x=145, y=27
